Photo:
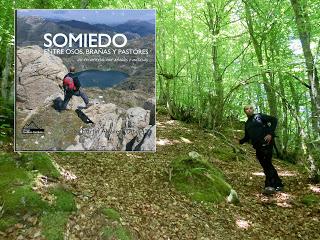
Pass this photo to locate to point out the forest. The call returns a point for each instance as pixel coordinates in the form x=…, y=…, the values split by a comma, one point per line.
x=212, y=58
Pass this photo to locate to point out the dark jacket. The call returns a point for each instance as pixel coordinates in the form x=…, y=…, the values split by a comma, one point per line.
x=75, y=80
x=257, y=127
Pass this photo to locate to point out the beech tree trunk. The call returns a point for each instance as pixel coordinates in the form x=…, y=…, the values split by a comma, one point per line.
x=271, y=97
x=304, y=29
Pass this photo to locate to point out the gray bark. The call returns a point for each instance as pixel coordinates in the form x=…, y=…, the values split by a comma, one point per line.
x=304, y=30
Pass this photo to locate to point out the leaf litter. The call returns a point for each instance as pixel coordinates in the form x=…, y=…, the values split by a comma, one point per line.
x=137, y=186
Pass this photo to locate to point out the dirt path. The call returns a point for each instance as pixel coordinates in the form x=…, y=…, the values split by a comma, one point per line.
x=137, y=186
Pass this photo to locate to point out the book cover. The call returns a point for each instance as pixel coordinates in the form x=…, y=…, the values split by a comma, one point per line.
x=85, y=80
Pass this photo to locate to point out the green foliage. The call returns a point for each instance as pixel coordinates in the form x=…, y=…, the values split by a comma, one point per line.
x=316, y=155
x=224, y=153
x=292, y=156
x=162, y=110
x=310, y=199
x=116, y=233
x=64, y=200
x=111, y=214
x=17, y=197
x=23, y=199
x=6, y=120
x=198, y=179
x=55, y=220
x=7, y=222
x=16, y=194
x=11, y=174
x=41, y=162
x=53, y=225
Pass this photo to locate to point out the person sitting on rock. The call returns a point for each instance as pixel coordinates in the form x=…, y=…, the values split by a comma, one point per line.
x=260, y=130
x=71, y=86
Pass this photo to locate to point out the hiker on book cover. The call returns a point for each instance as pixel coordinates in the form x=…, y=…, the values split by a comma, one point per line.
x=71, y=87
x=260, y=131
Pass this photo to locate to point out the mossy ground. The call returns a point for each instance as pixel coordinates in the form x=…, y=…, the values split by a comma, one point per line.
x=310, y=199
x=16, y=194
x=39, y=162
x=113, y=228
x=198, y=179
x=118, y=232
x=53, y=225
x=17, y=198
x=111, y=214
x=137, y=186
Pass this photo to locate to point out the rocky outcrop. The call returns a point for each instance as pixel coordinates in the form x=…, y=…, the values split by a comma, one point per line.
x=38, y=76
x=116, y=129
x=150, y=104
x=146, y=140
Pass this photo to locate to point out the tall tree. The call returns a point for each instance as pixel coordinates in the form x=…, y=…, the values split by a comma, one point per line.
x=258, y=41
x=304, y=30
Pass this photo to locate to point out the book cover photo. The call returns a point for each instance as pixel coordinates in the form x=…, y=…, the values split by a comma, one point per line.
x=85, y=80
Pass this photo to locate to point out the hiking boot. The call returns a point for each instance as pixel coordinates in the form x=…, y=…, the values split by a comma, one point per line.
x=279, y=189
x=88, y=105
x=269, y=190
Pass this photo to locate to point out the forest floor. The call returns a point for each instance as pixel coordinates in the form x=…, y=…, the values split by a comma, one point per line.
x=129, y=195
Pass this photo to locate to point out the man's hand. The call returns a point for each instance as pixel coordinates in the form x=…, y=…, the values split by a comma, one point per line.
x=268, y=138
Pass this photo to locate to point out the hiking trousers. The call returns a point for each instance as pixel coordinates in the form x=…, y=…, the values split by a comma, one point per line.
x=69, y=95
x=264, y=156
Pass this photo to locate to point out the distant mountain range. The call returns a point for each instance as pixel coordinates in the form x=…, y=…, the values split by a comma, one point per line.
x=30, y=30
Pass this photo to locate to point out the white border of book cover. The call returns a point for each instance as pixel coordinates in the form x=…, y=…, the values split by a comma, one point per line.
x=85, y=80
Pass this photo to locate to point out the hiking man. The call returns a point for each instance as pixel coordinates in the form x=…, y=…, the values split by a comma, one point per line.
x=260, y=130
x=71, y=86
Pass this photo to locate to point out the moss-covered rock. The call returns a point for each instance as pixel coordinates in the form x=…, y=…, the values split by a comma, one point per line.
x=16, y=193
x=23, y=200
x=11, y=174
x=40, y=162
x=17, y=197
x=197, y=178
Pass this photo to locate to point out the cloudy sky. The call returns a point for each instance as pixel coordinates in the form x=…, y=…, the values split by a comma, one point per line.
x=93, y=16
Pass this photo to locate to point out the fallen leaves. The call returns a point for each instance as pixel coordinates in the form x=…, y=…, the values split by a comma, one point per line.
x=136, y=185
x=243, y=224
x=315, y=188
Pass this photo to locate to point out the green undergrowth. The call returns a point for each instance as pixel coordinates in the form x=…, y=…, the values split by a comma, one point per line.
x=197, y=178
x=111, y=214
x=53, y=224
x=223, y=150
x=6, y=120
x=114, y=231
x=39, y=162
x=17, y=198
x=225, y=153
x=310, y=199
x=55, y=220
x=117, y=232
x=64, y=200
x=161, y=109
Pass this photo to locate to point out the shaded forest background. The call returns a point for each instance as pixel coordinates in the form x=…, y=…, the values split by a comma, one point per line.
x=213, y=57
